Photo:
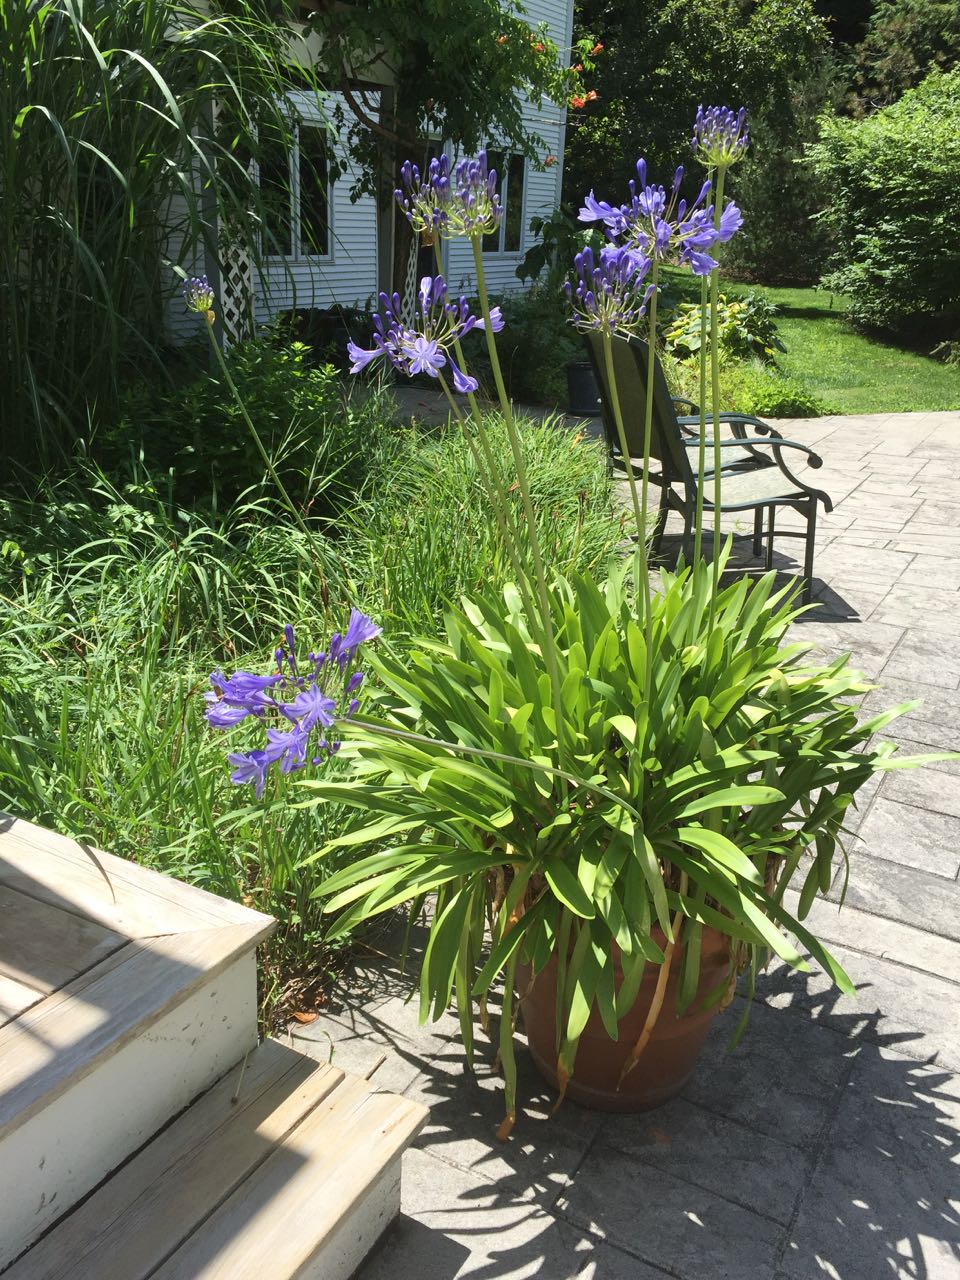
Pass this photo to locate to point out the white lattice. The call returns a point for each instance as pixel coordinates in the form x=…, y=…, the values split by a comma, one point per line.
x=236, y=290
x=409, y=300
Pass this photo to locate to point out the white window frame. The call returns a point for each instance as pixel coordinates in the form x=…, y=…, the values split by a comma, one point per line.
x=500, y=251
x=293, y=179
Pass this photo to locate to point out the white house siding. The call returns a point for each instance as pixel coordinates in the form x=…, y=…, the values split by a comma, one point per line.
x=542, y=187
x=349, y=275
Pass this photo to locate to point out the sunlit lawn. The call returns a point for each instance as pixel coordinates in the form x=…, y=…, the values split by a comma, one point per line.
x=849, y=371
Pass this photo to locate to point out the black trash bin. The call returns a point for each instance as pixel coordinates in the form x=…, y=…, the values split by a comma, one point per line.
x=583, y=394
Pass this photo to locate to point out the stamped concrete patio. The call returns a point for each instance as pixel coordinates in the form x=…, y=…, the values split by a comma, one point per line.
x=827, y=1143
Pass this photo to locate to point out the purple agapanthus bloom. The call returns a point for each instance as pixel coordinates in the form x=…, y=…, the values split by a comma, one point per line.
x=609, y=294
x=198, y=294
x=465, y=203
x=302, y=699
x=427, y=346
x=661, y=225
x=720, y=136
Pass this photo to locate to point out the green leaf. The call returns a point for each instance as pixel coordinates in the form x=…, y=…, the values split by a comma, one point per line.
x=739, y=796
x=722, y=849
x=568, y=888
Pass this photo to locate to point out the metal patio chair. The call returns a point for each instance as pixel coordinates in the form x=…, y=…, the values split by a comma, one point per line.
x=754, y=474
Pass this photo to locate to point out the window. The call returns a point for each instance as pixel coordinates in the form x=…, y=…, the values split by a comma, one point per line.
x=511, y=171
x=314, y=174
x=295, y=192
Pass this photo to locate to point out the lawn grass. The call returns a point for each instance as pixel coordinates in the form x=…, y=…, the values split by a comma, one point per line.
x=850, y=372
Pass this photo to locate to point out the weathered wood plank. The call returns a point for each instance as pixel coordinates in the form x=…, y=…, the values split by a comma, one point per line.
x=56, y=1042
x=45, y=947
x=118, y=894
x=279, y=1219
x=73, y=1142
x=132, y=1224
x=15, y=997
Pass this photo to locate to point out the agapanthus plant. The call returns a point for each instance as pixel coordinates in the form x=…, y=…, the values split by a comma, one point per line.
x=426, y=346
x=720, y=136
x=436, y=204
x=198, y=295
x=300, y=705
x=571, y=788
x=609, y=294
x=664, y=226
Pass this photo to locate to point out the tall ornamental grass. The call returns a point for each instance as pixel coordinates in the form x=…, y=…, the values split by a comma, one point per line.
x=115, y=603
x=116, y=116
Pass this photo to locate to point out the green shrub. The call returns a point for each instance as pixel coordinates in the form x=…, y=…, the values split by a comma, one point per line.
x=535, y=346
x=748, y=388
x=892, y=180
x=319, y=430
x=745, y=327
x=107, y=142
x=116, y=604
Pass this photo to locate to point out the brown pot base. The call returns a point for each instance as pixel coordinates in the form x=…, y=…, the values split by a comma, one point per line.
x=667, y=1061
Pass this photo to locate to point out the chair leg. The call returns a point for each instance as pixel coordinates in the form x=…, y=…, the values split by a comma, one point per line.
x=687, y=543
x=758, y=531
x=661, y=522
x=808, y=554
x=771, y=519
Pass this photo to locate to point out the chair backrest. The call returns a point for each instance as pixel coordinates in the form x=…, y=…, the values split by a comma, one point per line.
x=630, y=370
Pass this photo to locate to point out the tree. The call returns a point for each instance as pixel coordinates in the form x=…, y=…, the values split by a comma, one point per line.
x=903, y=41
x=661, y=60
x=452, y=71
x=891, y=178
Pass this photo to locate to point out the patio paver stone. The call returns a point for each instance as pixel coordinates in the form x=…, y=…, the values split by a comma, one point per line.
x=825, y=1146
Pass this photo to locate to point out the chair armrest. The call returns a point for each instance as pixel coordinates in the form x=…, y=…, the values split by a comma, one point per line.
x=739, y=421
x=684, y=400
x=813, y=459
x=779, y=443
x=736, y=420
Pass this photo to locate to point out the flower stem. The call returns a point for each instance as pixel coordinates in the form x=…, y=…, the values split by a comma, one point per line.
x=715, y=387
x=621, y=431
x=267, y=460
x=702, y=443
x=644, y=585
x=546, y=614
x=501, y=511
x=488, y=467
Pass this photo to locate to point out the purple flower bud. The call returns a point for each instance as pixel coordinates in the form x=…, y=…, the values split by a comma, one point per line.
x=720, y=136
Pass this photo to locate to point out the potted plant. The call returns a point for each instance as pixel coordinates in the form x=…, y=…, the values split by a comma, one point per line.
x=607, y=790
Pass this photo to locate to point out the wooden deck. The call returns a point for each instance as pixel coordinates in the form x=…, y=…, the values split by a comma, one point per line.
x=124, y=996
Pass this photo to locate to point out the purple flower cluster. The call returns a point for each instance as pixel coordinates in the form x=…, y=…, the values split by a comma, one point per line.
x=720, y=136
x=466, y=204
x=661, y=225
x=303, y=701
x=609, y=294
x=426, y=346
x=198, y=294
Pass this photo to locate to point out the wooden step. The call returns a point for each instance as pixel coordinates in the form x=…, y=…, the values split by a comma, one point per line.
x=124, y=994
x=296, y=1178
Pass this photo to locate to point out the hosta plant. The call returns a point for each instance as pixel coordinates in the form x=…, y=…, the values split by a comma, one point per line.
x=745, y=327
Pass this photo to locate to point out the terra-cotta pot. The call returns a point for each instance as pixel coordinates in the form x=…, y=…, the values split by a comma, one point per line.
x=670, y=1055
